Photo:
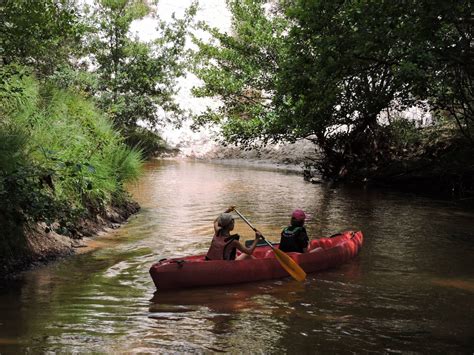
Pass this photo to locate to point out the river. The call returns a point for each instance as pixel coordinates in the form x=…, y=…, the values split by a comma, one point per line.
x=411, y=289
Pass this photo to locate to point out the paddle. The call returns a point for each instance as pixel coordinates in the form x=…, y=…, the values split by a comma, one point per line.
x=286, y=262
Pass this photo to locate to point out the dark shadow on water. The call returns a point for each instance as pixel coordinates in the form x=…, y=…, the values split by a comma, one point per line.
x=228, y=299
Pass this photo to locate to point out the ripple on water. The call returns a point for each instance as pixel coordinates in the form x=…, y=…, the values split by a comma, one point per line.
x=409, y=291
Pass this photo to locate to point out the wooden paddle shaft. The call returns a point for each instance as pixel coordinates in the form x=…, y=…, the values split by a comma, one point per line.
x=251, y=226
x=285, y=261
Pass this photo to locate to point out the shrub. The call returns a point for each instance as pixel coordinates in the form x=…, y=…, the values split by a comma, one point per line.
x=59, y=155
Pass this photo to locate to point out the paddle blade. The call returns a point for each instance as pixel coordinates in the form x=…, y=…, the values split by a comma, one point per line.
x=290, y=265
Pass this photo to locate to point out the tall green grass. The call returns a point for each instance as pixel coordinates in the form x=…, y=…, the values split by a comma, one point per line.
x=60, y=157
x=149, y=142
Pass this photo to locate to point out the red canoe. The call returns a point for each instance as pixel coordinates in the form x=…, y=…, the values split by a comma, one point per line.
x=195, y=271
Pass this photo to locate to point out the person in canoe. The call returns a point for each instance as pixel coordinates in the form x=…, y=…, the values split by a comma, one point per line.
x=294, y=238
x=224, y=246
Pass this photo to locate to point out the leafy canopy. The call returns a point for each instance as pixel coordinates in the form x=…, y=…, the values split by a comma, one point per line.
x=328, y=70
x=43, y=34
x=137, y=80
x=240, y=69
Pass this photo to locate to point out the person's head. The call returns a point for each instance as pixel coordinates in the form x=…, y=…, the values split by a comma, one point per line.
x=297, y=218
x=225, y=221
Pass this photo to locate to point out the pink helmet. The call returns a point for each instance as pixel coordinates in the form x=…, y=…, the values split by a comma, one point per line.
x=298, y=215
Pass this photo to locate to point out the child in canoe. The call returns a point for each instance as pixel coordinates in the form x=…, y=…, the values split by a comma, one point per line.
x=224, y=246
x=294, y=238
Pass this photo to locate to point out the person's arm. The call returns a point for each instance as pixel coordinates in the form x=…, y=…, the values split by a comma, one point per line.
x=304, y=240
x=249, y=250
x=230, y=209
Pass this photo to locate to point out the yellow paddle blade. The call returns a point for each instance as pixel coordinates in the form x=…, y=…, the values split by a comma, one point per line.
x=289, y=265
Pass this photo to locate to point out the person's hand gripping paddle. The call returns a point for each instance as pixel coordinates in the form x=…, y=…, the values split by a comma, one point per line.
x=285, y=261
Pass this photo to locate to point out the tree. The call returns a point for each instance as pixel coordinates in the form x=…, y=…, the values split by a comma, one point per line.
x=240, y=70
x=368, y=56
x=338, y=65
x=43, y=34
x=332, y=85
x=137, y=79
x=445, y=36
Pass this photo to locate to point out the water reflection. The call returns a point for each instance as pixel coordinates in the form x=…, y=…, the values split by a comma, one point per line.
x=409, y=291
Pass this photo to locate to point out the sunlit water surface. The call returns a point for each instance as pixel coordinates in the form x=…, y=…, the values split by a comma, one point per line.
x=410, y=289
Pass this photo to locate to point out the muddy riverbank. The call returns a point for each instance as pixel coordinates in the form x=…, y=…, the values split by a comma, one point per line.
x=40, y=244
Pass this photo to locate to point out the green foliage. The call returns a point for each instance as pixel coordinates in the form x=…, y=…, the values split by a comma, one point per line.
x=327, y=70
x=148, y=142
x=17, y=89
x=131, y=80
x=77, y=79
x=42, y=34
x=137, y=80
x=367, y=56
x=240, y=69
x=60, y=156
x=405, y=134
x=126, y=163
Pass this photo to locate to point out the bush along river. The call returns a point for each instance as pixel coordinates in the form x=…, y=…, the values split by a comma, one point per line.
x=411, y=289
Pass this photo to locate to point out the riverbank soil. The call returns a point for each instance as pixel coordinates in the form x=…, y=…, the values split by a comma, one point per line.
x=39, y=243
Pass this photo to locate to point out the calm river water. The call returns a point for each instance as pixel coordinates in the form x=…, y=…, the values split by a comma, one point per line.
x=410, y=290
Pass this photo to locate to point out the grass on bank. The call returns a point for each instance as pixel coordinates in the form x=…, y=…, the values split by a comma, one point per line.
x=60, y=157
